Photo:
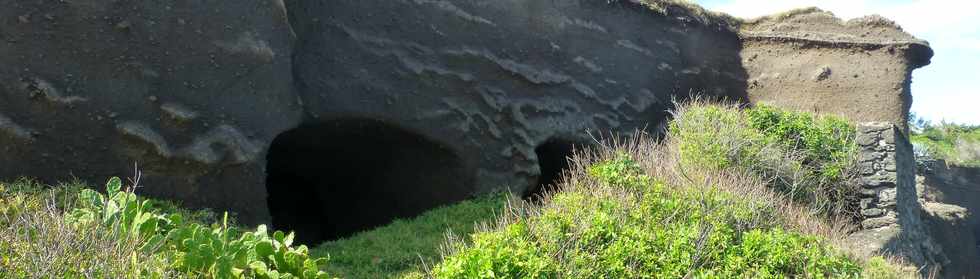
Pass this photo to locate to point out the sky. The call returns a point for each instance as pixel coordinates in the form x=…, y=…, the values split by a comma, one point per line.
x=943, y=90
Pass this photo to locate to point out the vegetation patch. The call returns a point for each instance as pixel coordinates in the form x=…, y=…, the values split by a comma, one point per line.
x=74, y=232
x=690, y=207
x=402, y=248
x=957, y=144
x=640, y=228
x=809, y=157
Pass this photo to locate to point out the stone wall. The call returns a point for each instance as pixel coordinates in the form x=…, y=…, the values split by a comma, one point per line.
x=878, y=166
x=892, y=221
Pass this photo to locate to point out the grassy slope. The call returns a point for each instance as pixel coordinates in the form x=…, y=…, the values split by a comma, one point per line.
x=399, y=249
x=957, y=144
x=718, y=199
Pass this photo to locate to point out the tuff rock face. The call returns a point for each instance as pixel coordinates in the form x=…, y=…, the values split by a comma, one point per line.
x=496, y=80
x=950, y=204
x=809, y=60
x=192, y=91
x=384, y=108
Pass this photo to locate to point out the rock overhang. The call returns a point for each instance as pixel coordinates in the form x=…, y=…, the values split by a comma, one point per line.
x=821, y=27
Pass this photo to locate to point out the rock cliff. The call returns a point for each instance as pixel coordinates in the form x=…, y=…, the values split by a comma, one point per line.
x=384, y=108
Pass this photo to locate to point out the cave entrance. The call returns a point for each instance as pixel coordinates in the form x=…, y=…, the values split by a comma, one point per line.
x=332, y=179
x=553, y=160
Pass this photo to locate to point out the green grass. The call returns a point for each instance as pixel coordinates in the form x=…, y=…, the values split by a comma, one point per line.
x=398, y=250
x=955, y=143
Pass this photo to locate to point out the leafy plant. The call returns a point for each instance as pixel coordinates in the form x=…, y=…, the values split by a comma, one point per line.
x=827, y=142
x=508, y=253
x=38, y=241
x=124, y=212
x=188, y=246
x=223, y=252
x=621, y=171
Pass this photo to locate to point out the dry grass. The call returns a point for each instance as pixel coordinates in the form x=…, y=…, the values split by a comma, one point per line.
x=36, y=242
x=691, y=10
x=784, y=15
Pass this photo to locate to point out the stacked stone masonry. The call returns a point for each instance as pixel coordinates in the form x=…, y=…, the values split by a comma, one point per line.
x=892, y=223
x=878, y=174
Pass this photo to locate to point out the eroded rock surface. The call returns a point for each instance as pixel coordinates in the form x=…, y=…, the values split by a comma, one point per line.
x=809, y=60
x=197, y=92
x=951, y=195
x=496, y=79
x=193, y=91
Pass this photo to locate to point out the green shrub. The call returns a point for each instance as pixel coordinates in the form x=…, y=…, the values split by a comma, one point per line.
x=775, y=253
x=622, y=223
x=827, y=142
x=622, y=171
x=716, y=137
x=808, y=157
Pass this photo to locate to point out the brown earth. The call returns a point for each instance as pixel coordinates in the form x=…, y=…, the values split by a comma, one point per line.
x=809, y=60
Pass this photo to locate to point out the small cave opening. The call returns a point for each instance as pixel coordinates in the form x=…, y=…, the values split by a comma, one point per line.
x=332, y=179
x=553, y=161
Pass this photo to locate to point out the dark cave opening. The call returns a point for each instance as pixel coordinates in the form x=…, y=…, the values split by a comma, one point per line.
x=332, y=179
x=553, y=160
